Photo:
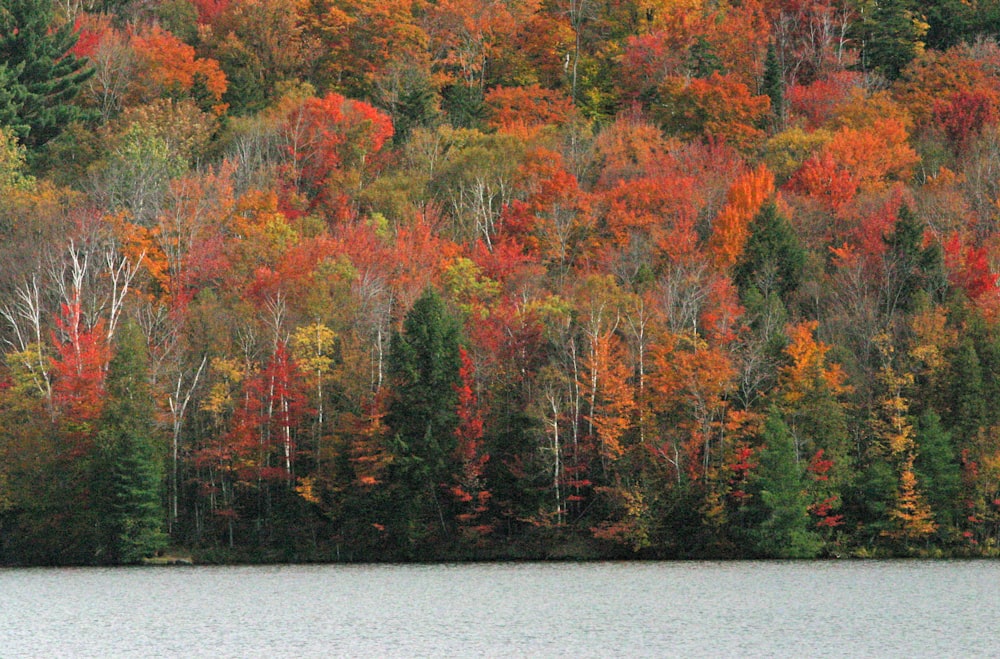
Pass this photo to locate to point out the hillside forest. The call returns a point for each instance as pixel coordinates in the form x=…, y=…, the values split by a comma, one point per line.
x=295, y=280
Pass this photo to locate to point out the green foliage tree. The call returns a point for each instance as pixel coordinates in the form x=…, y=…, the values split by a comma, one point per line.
x=772, y=260
x=43, y=76
x=773, y=85
x=952, y=21
x=911, y=266
x=11, y=98
x=423, y=366
x=12, y=162
x=938, y=470
x=967, y=409
x=129, y=471
x=783, y=530
x=891, y=34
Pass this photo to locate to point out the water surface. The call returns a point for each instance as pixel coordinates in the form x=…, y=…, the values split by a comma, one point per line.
x=685, y=609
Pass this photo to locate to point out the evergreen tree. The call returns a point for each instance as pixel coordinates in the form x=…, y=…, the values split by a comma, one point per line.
x=910, y=265
x=773, y=85
x=417, y=106
x=130, y=471
x=703, y=60
x=891, y=34
x=772, y=260
x=464, y=105
x=967, y=404
x=423, y=367
x=950, y=22
x=784, y=527
x=11, y=98
x=42, y=76
x=937, y=469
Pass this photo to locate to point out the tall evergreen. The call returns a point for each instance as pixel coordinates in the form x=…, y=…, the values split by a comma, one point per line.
x=423, y=365
x=911, y=266
x=773, y=85
x=891, y=34
x=938, y=469
x=773, y=259
x=43, y=76
x=967, y=413
x=129, y=471
x=783, y=530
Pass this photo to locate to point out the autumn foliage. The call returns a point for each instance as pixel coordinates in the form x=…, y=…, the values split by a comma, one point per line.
x=468, y=279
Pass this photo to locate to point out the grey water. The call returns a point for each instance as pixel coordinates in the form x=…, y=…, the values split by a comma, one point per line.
x=604, y=609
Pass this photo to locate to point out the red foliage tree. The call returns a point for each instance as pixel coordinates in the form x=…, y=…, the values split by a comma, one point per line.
x=969, y=269
x=964, y=114
x=468, y=489
x=264, y=427
x=79, y=369
x=327, y=138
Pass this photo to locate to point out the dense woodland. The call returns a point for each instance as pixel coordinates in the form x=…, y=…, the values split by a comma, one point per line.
x=451, y=279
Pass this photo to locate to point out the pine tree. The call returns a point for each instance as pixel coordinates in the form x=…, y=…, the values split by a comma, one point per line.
x=130, y=472
x=783, y=531
x=424, y=366
x=891, y=33
x=42, y=75
x=937, y=468
x=772, y=260
x=773, y=85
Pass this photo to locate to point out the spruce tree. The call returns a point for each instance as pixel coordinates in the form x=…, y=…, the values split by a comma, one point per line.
x=41, y=75
x=423, y=365
x=773, y=259
x=130, y=472
x=938, y=469
x=773, y=85
x=784, y=524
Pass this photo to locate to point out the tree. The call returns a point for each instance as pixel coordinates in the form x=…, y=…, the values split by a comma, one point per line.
x=773, y=85
x=328, y=139
x=716, y=107
x=12, y=161
x=783, y=531
x=424, y=368
x=42, y=73
x=892, y=35
x=526, y=110
x=731, y=228
x=171, y=68
x=937, y=468
x=809, y=388
x=773, y=259
x=132, y=512
x=910, y=516
x=910, y=264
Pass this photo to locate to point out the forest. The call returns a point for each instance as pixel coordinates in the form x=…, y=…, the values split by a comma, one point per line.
x=365, y=280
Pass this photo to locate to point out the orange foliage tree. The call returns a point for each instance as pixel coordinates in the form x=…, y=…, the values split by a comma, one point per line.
x=171, y=68
x=524, y=110
x=744, y=200
x=719, y=107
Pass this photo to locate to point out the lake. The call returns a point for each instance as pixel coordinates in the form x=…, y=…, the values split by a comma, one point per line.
x=604, y=609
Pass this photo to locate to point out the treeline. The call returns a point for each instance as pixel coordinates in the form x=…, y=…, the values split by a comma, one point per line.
x=407, y=279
